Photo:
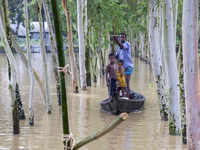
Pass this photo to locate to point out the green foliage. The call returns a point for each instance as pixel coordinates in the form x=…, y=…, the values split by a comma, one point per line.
x=16, y=11
x=179, y=22
x=32, y=10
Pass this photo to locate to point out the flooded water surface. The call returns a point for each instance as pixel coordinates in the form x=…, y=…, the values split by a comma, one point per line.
x=143, y=129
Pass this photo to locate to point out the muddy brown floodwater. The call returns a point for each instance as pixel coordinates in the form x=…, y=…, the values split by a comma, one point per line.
x=143, y=129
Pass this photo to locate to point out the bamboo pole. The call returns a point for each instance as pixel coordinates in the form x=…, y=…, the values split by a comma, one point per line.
x=114, y=35
x=61, y=59
x=111, y=126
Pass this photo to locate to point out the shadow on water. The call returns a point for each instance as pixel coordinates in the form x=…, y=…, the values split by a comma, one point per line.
x=143, y=130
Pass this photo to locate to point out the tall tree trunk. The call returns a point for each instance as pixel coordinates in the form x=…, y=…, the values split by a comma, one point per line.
x=103, y=52
x=61, y=59
x=71, y=47
x=87, y=59
x=87, y=46
x=191, y=72
x=101, y=55
x=93, y=66
x=162, y=41
x=53, y=50
x=12, y=78
x=156, y=59
x=182, y=97
x=12, y=85
x=171, y=67
x=8, y=35
x=48, y=103
x=175, y=10
x=81, y=44
x=142, y=50
x=31, y=110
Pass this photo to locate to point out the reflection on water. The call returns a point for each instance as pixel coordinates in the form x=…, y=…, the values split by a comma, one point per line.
x=143, y=130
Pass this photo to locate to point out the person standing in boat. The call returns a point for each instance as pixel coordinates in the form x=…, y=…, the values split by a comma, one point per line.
x=111, y=69
x=124, y=53
x=120, y=77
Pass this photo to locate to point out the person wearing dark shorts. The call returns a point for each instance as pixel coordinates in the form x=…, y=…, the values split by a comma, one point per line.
x=112, y=88
x=111, y=70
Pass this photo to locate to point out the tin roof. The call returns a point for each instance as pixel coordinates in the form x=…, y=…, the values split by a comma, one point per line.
x=36, y=27
x=21, y=30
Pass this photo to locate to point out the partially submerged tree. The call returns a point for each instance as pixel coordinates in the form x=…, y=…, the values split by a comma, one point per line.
x=156, y=59
x=172, y=73
x=81, y=44
x=12, y=84
x=87, y=44
x=71, y=47
x=30, y=68
x=8, y=35
x=48, y=103
x=191, y=72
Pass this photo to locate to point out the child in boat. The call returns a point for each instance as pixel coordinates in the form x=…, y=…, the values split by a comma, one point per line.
x=120, y=77
x=111, y=69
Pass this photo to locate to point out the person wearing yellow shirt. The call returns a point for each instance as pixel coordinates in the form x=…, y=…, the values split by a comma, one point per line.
x=121, y=86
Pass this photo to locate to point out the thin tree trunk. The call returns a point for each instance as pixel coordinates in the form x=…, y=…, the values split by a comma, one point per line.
x=101, y=55
x=156, y=59
x=8, y=35
x=12, y=85
x=95, y=52
x=25, y=61
x=48, y=103
x=15, y=107
x=170, y=61
x=77, y=67
x=87, y=59
x=175, y=10
x=162, y=40
x=141, y=47
x=71, y=47
x=31, y=110
x=87, y=47
x=94, y=76
x=103, y=52
x=81, y=45
x=108, y=50
x=53, y=50
x=61, y=58
x=191, y=72
x=182, y=97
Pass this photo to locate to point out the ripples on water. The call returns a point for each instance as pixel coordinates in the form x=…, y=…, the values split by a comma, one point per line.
x=143, y=130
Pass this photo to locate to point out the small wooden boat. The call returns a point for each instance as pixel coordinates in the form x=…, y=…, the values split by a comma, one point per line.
x=122, y=104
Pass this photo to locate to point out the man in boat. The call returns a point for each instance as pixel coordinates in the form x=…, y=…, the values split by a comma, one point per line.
x=124, y=53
